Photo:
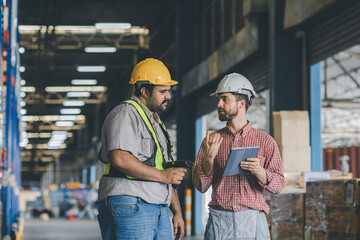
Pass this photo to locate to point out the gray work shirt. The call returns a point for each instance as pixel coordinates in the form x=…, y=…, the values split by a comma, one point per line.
x=124, y=129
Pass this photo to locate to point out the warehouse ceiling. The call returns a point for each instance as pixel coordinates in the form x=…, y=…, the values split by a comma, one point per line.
x=53, y=38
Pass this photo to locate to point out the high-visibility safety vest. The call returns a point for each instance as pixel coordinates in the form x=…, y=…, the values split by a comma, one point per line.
x=154, y=161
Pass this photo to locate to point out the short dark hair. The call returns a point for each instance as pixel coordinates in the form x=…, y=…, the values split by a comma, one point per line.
x=240, y=97
x=146, y=85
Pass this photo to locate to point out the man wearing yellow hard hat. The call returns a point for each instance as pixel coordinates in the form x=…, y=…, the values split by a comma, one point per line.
x=135, y=190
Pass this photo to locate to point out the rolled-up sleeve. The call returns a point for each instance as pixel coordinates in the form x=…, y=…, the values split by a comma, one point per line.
x=200, y=180
x=273, y=168
x=120, y=132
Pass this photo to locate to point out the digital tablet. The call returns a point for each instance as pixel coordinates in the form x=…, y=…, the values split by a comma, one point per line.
x=236, y=156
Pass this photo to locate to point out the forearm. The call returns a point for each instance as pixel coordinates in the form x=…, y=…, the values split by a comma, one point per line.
x=207, y=165
x=175, y=205
x=201, y=181
x=261, y=176
x=126, y=163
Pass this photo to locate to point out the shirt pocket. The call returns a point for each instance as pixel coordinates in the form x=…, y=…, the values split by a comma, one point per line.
x=146, y=147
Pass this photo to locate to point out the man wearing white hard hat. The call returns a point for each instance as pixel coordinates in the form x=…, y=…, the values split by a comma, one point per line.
x=237, y=207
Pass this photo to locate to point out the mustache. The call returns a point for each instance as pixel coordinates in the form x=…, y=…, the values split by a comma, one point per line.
x=221, y=109
x=165, y=101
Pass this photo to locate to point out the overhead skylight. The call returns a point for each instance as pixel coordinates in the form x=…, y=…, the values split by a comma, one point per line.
x=91, y=68
x=68, y=29
x=112, y=25
x=75, y=89
x=70, y=111
x=28, y=89
x=83, y=82
x=73, y=103
x=67, y=117
x=49, y=118
x=64, y=123
x=100, y=49
x=78, y=94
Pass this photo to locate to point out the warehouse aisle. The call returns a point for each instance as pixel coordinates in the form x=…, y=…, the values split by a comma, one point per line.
x=61, y=229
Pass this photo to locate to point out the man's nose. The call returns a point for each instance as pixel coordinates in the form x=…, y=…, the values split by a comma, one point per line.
x=168, y=96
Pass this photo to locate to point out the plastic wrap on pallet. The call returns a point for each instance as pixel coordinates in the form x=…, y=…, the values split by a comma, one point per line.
x=287, y=216
x=332, y=209
x=333, y=192
x=333, y=218
x=322, y=234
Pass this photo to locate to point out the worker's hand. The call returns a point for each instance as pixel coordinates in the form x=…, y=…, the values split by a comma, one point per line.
x=253, y=166
x=173, y=175
x=179, y=226
x=211, y=148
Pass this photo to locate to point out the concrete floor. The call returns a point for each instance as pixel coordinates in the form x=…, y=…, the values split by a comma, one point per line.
x=61, y=229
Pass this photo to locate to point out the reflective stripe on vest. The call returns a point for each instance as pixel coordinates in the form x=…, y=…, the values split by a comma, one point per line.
x=158, y=156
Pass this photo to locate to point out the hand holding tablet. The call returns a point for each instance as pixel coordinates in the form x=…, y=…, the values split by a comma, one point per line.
x=236, y=156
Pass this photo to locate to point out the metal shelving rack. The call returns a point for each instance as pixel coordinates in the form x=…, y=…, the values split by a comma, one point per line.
x=11, y=151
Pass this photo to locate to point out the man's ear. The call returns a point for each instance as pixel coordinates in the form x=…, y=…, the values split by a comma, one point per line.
x=144, y=92
x=242, y=103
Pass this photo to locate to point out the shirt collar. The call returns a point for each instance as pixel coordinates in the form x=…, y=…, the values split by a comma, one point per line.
x=148, y=113
x=243, y=132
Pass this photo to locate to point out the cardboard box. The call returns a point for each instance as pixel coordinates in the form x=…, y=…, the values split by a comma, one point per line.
x=73, y=185
x=296, y=158
x=297, y=179
x=53, y=187
x=291, y=128
x=341, y=175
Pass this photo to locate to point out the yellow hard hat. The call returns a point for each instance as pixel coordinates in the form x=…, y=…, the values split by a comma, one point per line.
x=153, y=71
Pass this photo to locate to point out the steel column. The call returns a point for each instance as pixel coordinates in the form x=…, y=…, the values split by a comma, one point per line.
x=288, y=88
x=198, y=203
x=315, y=118
x=184, y=106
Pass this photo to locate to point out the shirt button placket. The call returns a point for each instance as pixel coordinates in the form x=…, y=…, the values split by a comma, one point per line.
x=238, y=140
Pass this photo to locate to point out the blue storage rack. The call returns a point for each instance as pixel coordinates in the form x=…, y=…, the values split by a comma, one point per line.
x=11, y=168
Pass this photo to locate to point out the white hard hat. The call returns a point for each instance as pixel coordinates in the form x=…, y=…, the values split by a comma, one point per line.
x=235, y=83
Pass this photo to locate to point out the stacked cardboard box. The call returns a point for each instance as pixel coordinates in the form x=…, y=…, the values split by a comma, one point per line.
x=297, y=179
x=291, y=132
x=332, y=209
x=287, y=216
x=73, y=185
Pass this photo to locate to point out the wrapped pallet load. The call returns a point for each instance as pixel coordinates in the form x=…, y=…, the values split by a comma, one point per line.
x=332, y=209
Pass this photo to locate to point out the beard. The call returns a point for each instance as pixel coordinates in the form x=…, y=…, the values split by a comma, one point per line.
x=158, y=108
x=226, y=116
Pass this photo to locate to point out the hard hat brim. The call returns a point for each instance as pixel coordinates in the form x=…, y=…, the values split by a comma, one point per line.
x=169, y=83
x=215, y=94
